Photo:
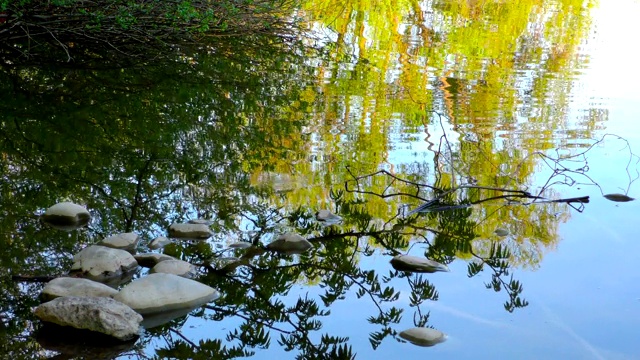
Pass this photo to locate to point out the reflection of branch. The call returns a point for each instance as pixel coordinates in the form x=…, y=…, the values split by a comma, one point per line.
x=33, y=278
x=357, y=179
x=184, y=338
x=246, y=318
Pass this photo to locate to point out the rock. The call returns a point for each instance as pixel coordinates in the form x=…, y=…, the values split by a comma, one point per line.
x=227, y=264
x=104, y=264
x=159, y=242
x=417, y=264
x=290, y=243
x=189, y=231
x=99, y=314
x=69, y=286
x=501, y=232
x=423, y=336
x=157, y=293
x=200, y=221
x=124, y=241
x=618, y=197
x=66, y=216
x=150, y=260
x=240, y=245
x=326, y=217
x=176, y=267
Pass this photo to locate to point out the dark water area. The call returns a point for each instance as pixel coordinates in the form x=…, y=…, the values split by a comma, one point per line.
x=507, y=115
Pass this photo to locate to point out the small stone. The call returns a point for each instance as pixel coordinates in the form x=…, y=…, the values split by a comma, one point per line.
x=240, y=245
x=99, y=314
x=103, y=264
x=417, y=264
x=66, y=216
x=176, y=267
x=326, y=217
x=159, y=242
x=189, y=231
x=69, y=286
x=200, y=221
x=423, y=336
x=501, y=232
x=124, y=241
x=290, y=243
x=150, y=260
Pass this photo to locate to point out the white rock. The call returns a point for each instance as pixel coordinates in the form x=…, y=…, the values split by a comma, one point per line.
x=200, y=221
x=176, y=267
x=417, y=264
x=228, y=264
x=326, y=217
x=69, y=286
x=290, y=243
x=159, y=242
x=150, y=260
x=101, y=263
x=501, y=232
x=240, y=245
x=159, y=292
x=100, y=314
x=124, y=241
x=189, y=231
x=66, y=216
x=423, y=336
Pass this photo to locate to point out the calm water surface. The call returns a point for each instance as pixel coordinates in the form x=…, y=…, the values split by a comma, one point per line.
x=444, y=93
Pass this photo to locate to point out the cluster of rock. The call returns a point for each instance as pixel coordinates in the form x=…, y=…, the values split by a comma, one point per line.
x=88, y=298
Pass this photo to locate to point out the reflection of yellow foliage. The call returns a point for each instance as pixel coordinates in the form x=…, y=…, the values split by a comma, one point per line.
x=499, y=70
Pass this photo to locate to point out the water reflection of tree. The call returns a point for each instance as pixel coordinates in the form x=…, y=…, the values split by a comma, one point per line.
x=390, y=63
x=140, y=147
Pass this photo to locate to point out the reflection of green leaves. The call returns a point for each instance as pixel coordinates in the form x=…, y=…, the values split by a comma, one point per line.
x=421, y=290
x=474, y=268
x=385, y=318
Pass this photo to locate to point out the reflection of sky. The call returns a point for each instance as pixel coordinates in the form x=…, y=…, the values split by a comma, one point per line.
x=585, y=297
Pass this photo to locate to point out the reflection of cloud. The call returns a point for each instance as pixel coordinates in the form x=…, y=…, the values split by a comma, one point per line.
x=554, y=319
x=468, y=316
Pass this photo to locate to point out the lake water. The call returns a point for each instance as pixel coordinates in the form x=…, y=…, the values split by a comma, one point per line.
x=479, y=96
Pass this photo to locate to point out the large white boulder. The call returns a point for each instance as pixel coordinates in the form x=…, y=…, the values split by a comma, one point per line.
x=190, y=231
x=423, y=336
x=176, y=267
x=99, y=314
x=417, y=264
x=70, y=286
x=160, y=292
x=290, y=243
x=103, y=264
x=150, y=260
x=66, y=216
x=124, y=241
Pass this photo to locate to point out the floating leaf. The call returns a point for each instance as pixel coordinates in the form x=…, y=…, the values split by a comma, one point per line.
x=417, y=264
x=618, y=197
